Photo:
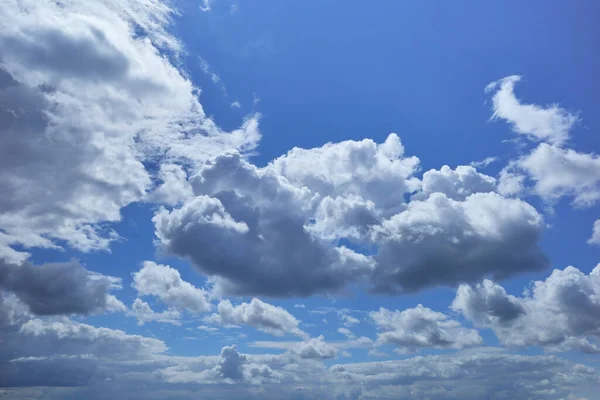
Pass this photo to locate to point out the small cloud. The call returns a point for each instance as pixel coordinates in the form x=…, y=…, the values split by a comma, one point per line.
x=483, y=163
x=208, y=328
x=299, y=305
x=206, y=5
x=235, y=104
x=350, y=320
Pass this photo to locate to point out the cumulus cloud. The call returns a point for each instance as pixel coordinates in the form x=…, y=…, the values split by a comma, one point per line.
x=314, y=349
x=420, y=327
x=231, y=363
x=245, y=229
x=274, y=231
x=259, y=315
x=376, y=172
x=441, y=241
x=577, y=177
x=166, y=283
x=82, y=108
x=144, y=313
x=560, y=313
x=551, y=124
x=456, y=184
x=60, y=288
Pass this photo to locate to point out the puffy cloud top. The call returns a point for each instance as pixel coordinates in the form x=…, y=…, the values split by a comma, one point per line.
x=560, y=313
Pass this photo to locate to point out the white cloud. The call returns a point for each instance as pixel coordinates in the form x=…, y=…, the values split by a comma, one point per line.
x=206, y=5
x=550, y=123
x=456, y=184
x=174, y=188
x=259, y=315
x=165, y=283
x=558, y=172
x=420, y=327
x=82, y=108
x=144, y=313
x=349, y=320
x=375, y=172
x=595, y=238
x=560, y=313
x=314, y=349
x=347, y=332
x=483, y=163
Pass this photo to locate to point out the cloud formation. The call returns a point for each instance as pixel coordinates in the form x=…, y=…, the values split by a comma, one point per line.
x=274, y=230
x=82, y=108
x=144, y=313
x=440, y=241
x=259, y=315
x=417, y=328
x=245, y=228
x=166, y=283
x=60, y=288
x=578, y=176
x=560, y=313
x=551, y=124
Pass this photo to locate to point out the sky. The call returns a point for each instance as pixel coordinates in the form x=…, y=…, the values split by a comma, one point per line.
x=299, y=200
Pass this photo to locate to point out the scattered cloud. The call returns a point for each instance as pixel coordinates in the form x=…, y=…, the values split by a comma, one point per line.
x=551, y=124
x=484, y=163
x=259, y=315
x=456, y=184
x=165, y=283
x=578, y=176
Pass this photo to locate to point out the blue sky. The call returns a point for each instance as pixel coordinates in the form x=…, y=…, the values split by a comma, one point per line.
x=284, y=199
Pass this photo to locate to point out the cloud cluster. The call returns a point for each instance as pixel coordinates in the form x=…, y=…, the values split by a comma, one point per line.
x=82, y=108
x=577, y=175
x=417, y=328
x=275, y=230
x=92, y=361
x=560, y=313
